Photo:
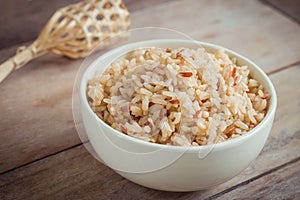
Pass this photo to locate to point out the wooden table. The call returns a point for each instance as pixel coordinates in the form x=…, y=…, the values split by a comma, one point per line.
x=41, y=156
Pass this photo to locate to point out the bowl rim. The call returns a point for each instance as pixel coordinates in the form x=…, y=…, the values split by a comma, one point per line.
x=219, y=146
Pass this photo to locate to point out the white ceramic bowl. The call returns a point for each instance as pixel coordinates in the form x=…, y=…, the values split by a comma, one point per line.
x=174, y=168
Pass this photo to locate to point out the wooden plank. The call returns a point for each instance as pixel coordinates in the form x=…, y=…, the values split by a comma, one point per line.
x=36, y=115
x=35, y=105
x=59, y=183
x=21, y=21
x=35, y=102
x=281, y=184
x=290, y=8
x=75, y=174
x=248, y=27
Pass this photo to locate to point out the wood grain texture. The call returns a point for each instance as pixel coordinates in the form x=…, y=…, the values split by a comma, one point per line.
x=35, y=101
x=21, y=21
x=281, y=184
x=290, y=8
x=248, y=27
x=35, y=104
x=74, y=174
x=36, y=115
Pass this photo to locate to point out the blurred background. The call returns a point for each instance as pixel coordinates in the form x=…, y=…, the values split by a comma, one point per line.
x=21, y=20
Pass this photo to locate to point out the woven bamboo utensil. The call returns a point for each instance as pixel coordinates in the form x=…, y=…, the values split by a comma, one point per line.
x=74, y=31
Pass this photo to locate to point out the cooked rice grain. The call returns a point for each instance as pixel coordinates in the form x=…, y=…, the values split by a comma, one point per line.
x=178, y=96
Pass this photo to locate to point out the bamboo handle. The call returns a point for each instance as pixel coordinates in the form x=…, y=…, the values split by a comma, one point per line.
x=23, y=56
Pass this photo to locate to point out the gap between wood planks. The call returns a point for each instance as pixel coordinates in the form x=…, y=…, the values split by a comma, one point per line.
x=284, y=67
x=216, y=195
x=253, y=179
x=42, y=158
x=280, y=10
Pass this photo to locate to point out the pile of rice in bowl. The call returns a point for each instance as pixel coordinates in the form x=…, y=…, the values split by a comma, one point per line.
x=178, y=96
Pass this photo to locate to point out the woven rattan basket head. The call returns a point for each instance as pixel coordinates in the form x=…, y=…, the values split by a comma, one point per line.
x=74, y=31
x=77, y=29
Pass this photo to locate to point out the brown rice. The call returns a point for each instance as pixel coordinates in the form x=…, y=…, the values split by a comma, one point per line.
x=178, y=96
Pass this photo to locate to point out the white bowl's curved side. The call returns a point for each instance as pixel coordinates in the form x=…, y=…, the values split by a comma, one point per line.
x=188, y=172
